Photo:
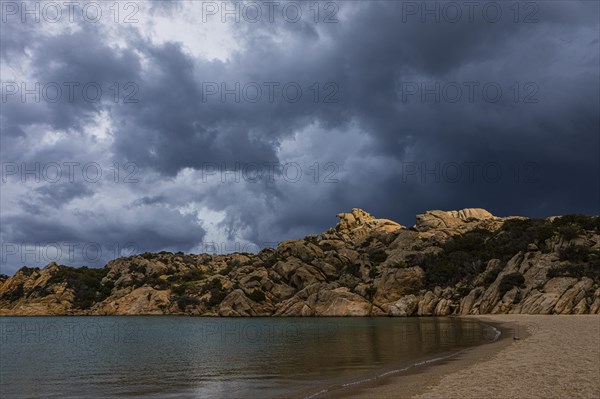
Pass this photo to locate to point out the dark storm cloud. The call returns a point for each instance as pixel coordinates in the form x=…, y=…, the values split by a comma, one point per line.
x=546, y=151
x=32, y=240
x=55, y=196
x=555, y=141
x=172, y=129
x=71, y=61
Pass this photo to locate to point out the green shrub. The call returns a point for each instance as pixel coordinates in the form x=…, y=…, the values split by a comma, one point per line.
x=373, y=272
x=440, y=271
x=312, y=239
x=255, y=278
x=106, y=288
x=193, y=275
x=462, y=257
x=574, y=253
x=472, y=241
x=228, y=269
x=570, y=231
x=399, y=265
x=492, y=276
x=270, y=261
x=216, y=297
x=353, y=269
x=38, y=292
x=14, y=295
x=368, y=241
x=377, y=256
x=150, y=281
x=217, y=294
x=134, y=268
x=370, y=291
x=215, y=283
x=570, y=270
x=509, y=281
x=178, y=289
x=28, y=271
x=189, y=260
x=86, y=284
x=590, y=269
x=185, y=301
x=515, y=235
x=257, y=296
x=583, y=222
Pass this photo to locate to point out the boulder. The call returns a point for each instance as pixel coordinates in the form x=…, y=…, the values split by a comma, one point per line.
x=395, y=283
x=140, y=301
x=595, y=307
x=238, y=304
x=468, y=302
x=573, y=297
x=444, y=307
x=405, y=306
x=543, y=302
x=427, y=304
x=452, y=219
x=325, y=300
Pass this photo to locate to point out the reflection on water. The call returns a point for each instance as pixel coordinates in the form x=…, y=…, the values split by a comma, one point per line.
x=179, y=357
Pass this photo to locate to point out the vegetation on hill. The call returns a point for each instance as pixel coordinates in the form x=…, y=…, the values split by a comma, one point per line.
x=86, y=284
x=464, y=256
x=363, y=265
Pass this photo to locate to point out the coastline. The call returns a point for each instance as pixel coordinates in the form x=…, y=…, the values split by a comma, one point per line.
x=555, y=356
x=413, y=377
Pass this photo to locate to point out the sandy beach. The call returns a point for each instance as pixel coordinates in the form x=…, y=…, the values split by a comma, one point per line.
x=554, y=357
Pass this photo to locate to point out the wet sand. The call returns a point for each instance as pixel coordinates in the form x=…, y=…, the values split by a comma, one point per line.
x=554, y=357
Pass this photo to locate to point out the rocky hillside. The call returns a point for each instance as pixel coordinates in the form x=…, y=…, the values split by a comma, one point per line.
x=449, y=263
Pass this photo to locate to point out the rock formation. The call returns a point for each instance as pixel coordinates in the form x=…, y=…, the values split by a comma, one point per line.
x=449, y=263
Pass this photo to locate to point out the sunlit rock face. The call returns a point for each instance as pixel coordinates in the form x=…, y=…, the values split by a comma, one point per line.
x=449, y=263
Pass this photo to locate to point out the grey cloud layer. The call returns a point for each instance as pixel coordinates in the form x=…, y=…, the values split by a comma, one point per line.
x=371, y=133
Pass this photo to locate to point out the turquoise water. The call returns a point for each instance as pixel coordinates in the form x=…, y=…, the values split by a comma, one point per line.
x=184, y=357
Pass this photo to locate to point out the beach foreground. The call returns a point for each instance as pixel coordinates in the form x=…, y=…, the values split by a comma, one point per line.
x=554, y=357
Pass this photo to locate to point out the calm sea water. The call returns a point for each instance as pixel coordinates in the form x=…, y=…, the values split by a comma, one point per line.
x=184, y=357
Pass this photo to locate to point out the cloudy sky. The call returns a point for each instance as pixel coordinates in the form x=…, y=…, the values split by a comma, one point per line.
x=210, y=126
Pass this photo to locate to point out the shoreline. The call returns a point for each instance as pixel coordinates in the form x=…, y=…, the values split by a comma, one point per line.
x=411, y=375
x=535, y=356
x=554, y=356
